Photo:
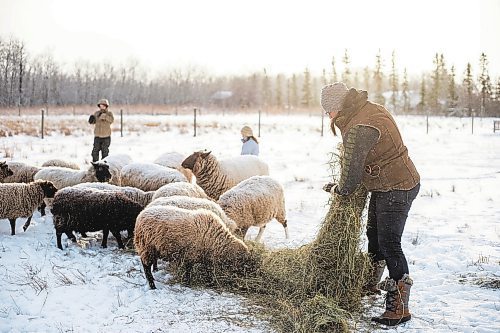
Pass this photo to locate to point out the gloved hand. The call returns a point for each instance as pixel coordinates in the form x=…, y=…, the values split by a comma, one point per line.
x=330, y=187
x=102, y=116
x=92, y=119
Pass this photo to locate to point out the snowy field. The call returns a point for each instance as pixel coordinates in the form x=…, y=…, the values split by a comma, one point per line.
x=452, y=236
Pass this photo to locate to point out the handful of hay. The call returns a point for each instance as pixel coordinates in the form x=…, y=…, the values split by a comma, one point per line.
x=308, y=289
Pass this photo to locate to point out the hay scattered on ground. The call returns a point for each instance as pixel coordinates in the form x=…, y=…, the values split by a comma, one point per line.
x=313, y=288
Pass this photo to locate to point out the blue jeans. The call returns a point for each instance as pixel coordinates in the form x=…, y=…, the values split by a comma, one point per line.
x=387, y=215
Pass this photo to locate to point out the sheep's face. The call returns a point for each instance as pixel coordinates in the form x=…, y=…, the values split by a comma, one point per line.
x=5, y=171
x=49, y=190
x=102, y=172
x=194, y=161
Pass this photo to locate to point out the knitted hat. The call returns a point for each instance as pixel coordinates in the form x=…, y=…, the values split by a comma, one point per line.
x=246, y=131
x=103, y=101
x=332, y=96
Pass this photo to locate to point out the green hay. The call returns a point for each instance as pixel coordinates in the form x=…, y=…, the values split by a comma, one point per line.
x=313, y=288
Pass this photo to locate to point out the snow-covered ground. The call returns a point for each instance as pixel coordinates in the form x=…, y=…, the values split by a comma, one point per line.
x=452, y=236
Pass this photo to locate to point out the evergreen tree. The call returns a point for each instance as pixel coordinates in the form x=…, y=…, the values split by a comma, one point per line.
x=266, y=90
x=394, y=82
x=356, y=80
x=315, y=92
x=323, y=78
x=468, y=85
x=405, y=92
x=378, y=78
x=436, y=81
x=484, y=82
x=452, y=90
x=295, y=94
x=443, y=75
x=366, y=78
x=288, y=93
x=497, y=90
x=306, y=89
x=334, y=71
x=279, y=94
x=423, y=95
x=346, y=74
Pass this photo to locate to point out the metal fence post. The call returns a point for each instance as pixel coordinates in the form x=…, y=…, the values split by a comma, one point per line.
x=194, y=121
x=43, y=118
x=121, y=123
x=472, y=122
x=427, y=123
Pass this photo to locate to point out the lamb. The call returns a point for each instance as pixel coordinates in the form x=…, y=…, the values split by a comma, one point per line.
x=116, y=164
x=180, y=235
x=139, y=196
x=64, y=177
x=61, y=163
x=195, y=203
x=87, y=209
x=149, y=176
x=185, y=189
x=21, y=200
x=4, y=171
x=174, y=160
x=254, y=202
x=22, y=173
x=216, y=177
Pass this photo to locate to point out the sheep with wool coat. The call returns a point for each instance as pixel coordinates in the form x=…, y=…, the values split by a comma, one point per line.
x=216, y=177
x=21, y=200
x=88, y=209
x=116, y=164
x=139, y=196
x=174, y=160
x=60, y=163
x=188, y=236
x=64, y=177
x=254, y=202
x=194, y=203
x=21, y=173
x=149, y=176
x=185, y=189
x=4, y=171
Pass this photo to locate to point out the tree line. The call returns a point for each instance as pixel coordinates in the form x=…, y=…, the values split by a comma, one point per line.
x=27, y=80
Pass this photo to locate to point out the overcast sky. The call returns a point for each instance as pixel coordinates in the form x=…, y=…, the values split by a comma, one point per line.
x=230, y=36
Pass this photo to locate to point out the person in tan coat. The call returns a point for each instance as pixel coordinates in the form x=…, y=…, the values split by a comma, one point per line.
x=102, y=120
x=376, y=157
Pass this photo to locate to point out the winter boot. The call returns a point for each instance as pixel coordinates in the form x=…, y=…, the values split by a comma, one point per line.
x=396, y=301
x=371, y=287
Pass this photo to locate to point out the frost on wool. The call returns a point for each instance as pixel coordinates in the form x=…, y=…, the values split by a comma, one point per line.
x=149, y=176
x=22, y=173
x=61, y=163
x=64, y=177
x=4, y=171
x=189, y=236
x=193, y=203
x=21, y=200
x=216, y=177
x=116, y=164
x=87, y=209
x=139, y=196
x=254, y=202
x=185, y=189
x=174, y=160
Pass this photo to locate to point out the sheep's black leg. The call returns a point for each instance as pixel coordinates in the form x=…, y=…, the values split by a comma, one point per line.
x=42, y=208
x=118, y=237
x=71, y=236
x=149, y=275
x=155, y=264
x=105, y=233
x=84, y=234
x=130, y=233
x=12, y=226
x=27, y=223
x=58, y=236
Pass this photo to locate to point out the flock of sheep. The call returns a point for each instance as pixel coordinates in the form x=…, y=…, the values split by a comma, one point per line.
x=166, y=214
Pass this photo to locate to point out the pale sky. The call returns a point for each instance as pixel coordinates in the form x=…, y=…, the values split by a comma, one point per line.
x=231, y=36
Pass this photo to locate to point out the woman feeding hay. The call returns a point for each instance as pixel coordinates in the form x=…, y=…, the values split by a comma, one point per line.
x=375, y=156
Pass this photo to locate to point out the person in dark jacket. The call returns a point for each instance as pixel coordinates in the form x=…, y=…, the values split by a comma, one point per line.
x=376, y=157
x=102, y=119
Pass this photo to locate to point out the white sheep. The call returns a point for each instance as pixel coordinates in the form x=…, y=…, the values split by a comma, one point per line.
x=216, y=177
x=254, y=202
x=137, y=195
x=64, y=177
x=116, y=164
x=149, y=176
x=193, y=204
x=22, y=172
x=185, y=189
x=188, y=236
x=21, y=200
x=61, y=163
x=174, y=160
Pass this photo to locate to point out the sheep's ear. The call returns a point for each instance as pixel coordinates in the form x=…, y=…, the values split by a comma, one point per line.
x=204, y=155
